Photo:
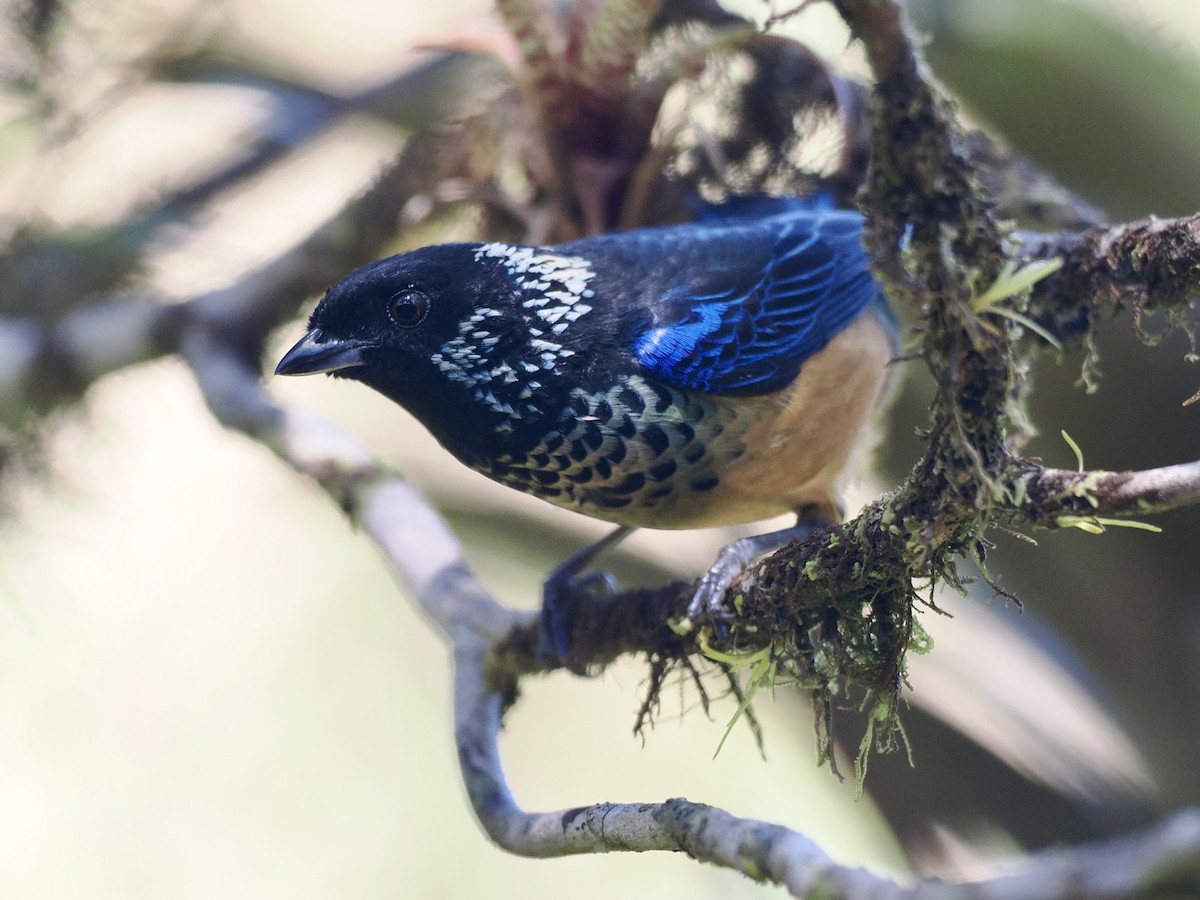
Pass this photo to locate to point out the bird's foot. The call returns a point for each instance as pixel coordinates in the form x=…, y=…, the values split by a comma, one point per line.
x=710, y=599
x=561, y=599
x=565, y=589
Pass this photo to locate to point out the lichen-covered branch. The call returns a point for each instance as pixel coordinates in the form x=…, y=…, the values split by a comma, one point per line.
x=1052, y=495
x=838, y=608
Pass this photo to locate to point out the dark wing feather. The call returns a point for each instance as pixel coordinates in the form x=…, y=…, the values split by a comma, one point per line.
x=749, y=329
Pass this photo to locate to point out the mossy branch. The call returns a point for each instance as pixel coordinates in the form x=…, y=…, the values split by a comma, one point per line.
x=1148, y=266
x=490, y=644
x=837, y=611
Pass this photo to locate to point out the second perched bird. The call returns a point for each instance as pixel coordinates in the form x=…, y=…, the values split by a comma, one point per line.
x=702, y=374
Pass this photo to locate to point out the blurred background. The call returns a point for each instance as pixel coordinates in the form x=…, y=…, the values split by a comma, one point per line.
x=211, y=687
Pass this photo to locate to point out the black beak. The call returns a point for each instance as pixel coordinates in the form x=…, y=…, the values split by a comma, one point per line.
x=315, y=353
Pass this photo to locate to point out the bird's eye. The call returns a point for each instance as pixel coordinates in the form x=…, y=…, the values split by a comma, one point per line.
x=409, y=308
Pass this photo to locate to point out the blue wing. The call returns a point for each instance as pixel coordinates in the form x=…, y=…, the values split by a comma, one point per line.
x=787, y=286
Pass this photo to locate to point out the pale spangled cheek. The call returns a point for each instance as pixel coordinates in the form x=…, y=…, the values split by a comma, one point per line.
x=554, y=291
x=535, y=330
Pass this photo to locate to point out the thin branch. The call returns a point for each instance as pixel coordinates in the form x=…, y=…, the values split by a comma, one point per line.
x=424, y=553
x=1053, y=493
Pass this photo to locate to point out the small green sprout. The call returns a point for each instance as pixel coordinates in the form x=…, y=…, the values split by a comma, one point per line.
x=1075, y=447
x=1012, y=281
x=1098, y=525
x=763, y=669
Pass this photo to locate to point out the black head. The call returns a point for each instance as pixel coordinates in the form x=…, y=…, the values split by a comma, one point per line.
x=470, y=338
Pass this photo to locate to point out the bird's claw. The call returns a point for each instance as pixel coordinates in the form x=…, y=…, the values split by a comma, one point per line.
x=709, y=599
x=562, y=595
x=566, y=587
x=714, y=587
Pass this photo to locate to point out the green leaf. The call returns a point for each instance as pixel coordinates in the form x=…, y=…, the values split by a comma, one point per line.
x=1098, y=524
x=1026, y=322
x=1012, y=280
x=763, y=673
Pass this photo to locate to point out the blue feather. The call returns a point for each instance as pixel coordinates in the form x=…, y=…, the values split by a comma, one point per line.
x=754, y=336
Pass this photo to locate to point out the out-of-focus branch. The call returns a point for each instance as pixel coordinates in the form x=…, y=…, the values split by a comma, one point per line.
x=50, y=361
x=45, y=272
x=359, y=233
x=435, y=86
x=1024, y=192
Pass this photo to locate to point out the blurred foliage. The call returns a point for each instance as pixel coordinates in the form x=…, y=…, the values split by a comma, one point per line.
x=1106, y=105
